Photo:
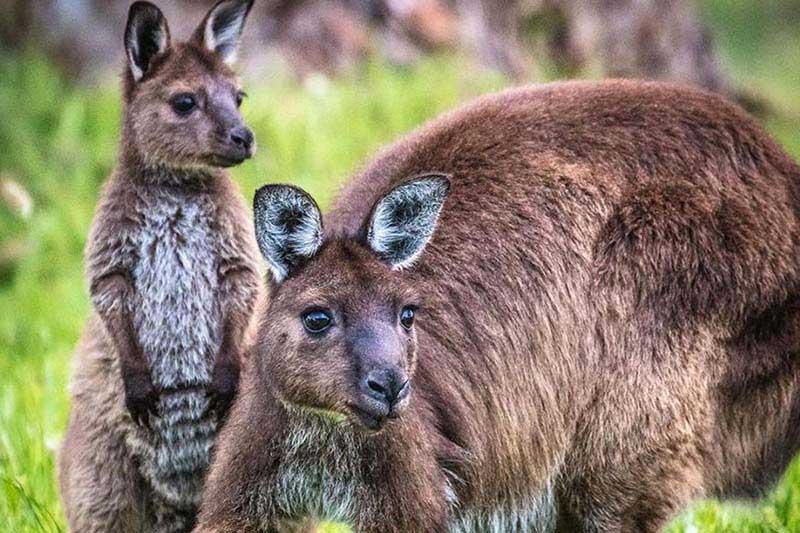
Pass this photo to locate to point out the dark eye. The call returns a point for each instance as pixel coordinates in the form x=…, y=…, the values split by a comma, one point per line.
x=240, y=96
x=407, y=317
x=183, y=104
x=317, y=321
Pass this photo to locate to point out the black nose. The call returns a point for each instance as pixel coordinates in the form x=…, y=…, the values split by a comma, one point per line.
x=242, y=137
x=385, y=385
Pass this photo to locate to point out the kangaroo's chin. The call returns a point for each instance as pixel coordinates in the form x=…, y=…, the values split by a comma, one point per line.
x=226, y=160
x=366, y=421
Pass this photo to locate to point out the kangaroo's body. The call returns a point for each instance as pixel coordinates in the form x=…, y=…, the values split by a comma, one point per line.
x=173, y=278
x=608, y=326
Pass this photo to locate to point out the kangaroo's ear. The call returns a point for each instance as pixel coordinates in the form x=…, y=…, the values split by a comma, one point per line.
x=222, y=28
x=288, y=227
x=402, y=222
x=146, y=37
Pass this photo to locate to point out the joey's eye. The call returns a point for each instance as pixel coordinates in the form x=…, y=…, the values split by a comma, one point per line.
x=183, y=103
x=317, y=321
x=407, y=317
x=240, y=96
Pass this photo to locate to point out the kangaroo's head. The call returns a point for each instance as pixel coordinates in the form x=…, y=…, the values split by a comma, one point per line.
x=182, y=99
x=338, y=336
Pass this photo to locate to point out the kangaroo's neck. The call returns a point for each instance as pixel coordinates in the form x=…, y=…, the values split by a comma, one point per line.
x=148, y=171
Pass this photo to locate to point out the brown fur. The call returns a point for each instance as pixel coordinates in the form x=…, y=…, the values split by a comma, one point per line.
x=168, y=202
x=608, y=311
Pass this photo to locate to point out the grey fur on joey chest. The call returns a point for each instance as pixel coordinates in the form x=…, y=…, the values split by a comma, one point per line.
x=177, y=314
x=174, y=455
x=178, y=321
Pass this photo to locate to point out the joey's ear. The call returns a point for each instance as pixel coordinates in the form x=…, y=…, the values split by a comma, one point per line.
x=222, y=27
x=288, y=227
x=146, y=37
x=402, y=222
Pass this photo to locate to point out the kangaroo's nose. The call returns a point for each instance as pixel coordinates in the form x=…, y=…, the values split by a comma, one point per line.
x=388, y=386
x=242, y=136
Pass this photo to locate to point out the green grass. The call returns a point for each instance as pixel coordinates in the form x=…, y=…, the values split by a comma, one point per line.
x=60, y=142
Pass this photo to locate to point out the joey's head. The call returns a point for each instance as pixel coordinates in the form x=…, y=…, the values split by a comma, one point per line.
x=182, y=100
x=338, y=336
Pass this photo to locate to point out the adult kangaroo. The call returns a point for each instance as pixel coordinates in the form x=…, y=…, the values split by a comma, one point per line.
x=604, y=326
x=173, y=275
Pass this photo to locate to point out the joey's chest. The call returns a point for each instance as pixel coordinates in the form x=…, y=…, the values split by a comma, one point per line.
x=177, y=263
x=176, y=241
x=176, y=282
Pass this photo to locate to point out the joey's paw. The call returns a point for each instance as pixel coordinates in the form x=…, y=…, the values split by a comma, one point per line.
x=141, y=397
x=224, y=385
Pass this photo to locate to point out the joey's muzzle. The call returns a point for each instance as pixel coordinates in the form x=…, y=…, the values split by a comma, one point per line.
x=242, y=139
x=239, y=144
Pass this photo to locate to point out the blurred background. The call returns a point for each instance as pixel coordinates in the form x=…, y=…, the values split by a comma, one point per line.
x=330, y=81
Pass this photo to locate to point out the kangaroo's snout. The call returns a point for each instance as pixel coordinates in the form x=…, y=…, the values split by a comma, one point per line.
x=235, y=145
x=385, y=388
x=242, y=138
x=382, y=387
x=383, y=393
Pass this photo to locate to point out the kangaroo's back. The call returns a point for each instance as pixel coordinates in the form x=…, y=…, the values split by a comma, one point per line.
x=641, y=187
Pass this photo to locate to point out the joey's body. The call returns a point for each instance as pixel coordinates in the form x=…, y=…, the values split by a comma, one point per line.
x=175, y=240
x=173, y=278
x=608, y=327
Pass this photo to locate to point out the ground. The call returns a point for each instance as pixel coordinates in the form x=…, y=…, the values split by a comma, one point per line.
x=60, y=142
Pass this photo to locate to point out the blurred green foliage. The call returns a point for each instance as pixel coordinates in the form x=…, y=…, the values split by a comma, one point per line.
x=60, y=141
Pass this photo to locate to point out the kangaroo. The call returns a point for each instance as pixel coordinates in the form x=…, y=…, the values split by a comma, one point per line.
x=604, y=326
x=173, y=275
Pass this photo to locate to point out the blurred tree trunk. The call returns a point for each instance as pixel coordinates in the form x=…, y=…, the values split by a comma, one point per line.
x=410, y=28
x=491, y=30
x=649, y=39
x=78, y=35
x=332, y=36
x=16, y=19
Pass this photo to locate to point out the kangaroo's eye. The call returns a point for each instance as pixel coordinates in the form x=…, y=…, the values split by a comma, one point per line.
x=240, y=96
x=317, y=321
x=407, y=317
x=183, y=104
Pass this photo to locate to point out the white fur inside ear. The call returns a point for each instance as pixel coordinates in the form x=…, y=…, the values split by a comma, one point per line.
x=224, y=28
x=133, y=49
x=403, y=221
x=385, y=235
x=288, y=227
x=146, y=37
